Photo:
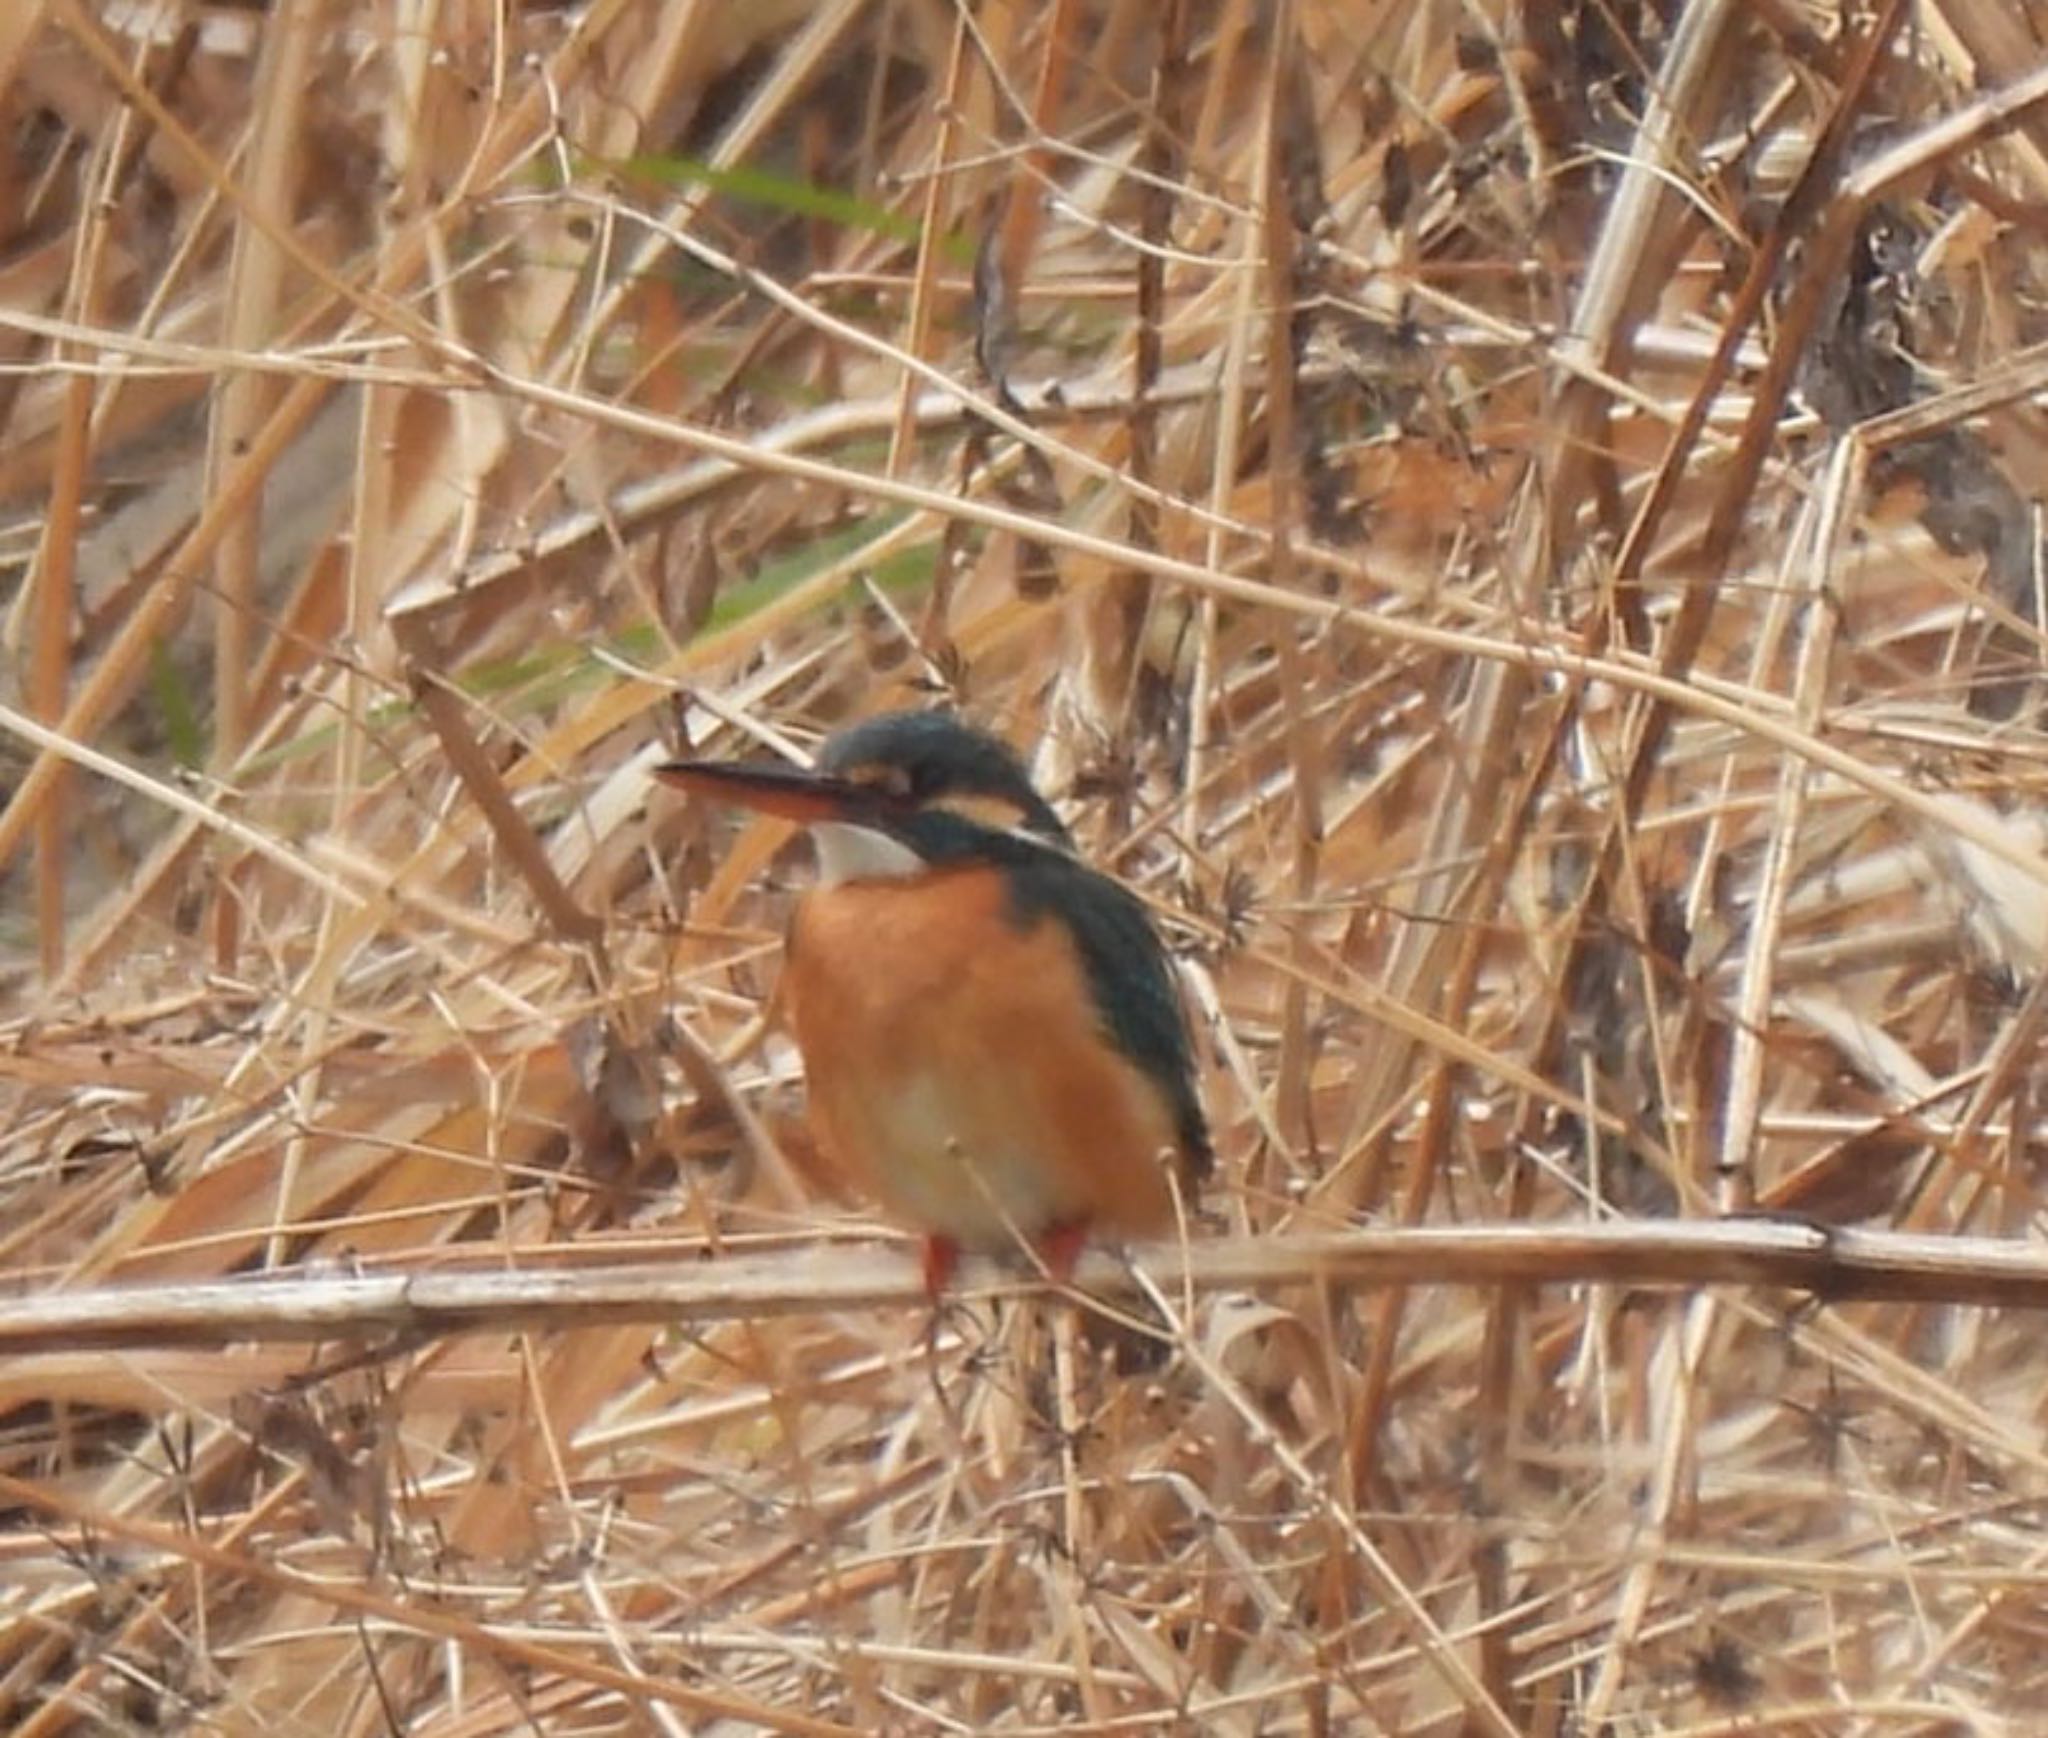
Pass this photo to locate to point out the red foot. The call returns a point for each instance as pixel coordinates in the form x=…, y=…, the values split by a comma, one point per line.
x=941, y=1257
x=1061, y=1247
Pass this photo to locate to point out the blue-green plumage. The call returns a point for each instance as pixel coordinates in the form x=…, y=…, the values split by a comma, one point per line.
x=1119, y=949
x=937, y=756
x=1133, y=984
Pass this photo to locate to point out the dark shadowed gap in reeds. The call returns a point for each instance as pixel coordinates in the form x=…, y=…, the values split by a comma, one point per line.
x=1514, y=527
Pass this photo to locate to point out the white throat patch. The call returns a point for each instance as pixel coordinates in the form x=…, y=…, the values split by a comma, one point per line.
x=850, y=853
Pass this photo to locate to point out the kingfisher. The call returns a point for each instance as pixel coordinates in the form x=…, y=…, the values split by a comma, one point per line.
x=994, y=1048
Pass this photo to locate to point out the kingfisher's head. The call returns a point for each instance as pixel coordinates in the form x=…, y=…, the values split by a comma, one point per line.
x=892, y=796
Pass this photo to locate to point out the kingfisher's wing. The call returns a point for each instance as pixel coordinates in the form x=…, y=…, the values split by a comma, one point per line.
x=1130, y=978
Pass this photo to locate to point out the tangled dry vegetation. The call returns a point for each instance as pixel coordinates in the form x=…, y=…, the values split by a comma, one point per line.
x=1513, y=525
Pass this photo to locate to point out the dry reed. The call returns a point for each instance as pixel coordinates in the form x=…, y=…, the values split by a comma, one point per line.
x=1514, y=527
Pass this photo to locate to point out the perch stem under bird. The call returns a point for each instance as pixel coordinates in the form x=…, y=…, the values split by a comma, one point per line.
x=993, y=1045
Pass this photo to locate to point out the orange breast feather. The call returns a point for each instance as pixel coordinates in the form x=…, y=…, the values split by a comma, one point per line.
x=958, y=1071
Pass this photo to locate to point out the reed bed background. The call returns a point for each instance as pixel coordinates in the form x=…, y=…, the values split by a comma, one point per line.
x=1515, y=527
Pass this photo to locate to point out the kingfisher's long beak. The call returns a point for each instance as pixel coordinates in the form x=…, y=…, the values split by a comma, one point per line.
x=793, y=793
